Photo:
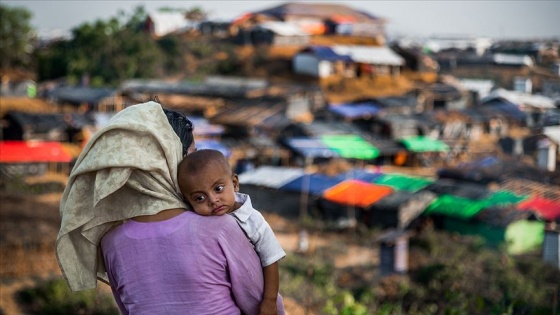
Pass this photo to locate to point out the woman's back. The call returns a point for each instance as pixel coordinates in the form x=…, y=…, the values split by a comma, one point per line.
x=187, y=263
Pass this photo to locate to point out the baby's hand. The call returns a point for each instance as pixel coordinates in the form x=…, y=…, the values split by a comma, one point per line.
x=268, y=307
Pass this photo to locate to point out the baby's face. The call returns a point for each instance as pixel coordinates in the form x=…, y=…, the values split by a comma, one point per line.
x=210, y=191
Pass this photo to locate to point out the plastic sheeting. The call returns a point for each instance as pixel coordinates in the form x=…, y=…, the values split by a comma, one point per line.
x=308, y=147
x=314, y=184
x=424, y=144
x=270, y=176
x=356, y=193
x=546, y=208
x=32, y=152
x=353, y=111
x=465, y=208
x=403, y=182
x=351, y=146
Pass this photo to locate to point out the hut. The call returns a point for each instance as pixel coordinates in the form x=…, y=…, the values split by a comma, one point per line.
x=398, y=210
x=263, y=184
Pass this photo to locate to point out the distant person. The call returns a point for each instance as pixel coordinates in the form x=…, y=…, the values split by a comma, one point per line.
x=211, y=188
x=125, y=223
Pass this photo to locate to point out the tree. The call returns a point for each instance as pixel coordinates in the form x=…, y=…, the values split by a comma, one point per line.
x=16, y=37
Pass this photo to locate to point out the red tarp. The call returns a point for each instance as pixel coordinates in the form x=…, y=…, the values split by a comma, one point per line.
x=32, y=152
x=546, y=208
x=356, y=193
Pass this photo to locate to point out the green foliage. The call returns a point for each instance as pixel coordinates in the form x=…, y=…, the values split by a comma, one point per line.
x=54, y=297
x=109, y=51
x=16, y=37
x=458, y=276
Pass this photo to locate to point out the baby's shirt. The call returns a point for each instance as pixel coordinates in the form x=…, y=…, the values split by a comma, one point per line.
x=258, y=231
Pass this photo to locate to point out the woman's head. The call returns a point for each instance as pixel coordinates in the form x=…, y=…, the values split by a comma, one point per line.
x=183, y=127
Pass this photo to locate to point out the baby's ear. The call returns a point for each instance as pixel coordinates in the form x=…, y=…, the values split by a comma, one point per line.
x=235, y=181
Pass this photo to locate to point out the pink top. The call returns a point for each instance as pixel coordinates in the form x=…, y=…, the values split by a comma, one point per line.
x=190, y=263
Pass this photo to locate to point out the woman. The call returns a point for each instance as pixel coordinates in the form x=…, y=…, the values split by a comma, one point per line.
x=125, y=181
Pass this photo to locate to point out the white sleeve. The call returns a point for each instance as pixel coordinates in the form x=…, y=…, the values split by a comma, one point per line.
x=262, y=237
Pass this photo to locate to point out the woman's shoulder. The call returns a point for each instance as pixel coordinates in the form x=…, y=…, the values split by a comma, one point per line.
x=212, y=224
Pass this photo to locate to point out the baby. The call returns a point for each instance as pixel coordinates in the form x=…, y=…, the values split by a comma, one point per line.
x=211, y=188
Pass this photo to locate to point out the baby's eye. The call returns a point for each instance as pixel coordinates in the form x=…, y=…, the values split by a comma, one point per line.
x=199, y=198
x=219, y=188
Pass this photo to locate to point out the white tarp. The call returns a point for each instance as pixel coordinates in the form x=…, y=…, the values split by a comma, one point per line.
x=270, y=176
x=521, y=99
x=377, y=55
x=283, y=28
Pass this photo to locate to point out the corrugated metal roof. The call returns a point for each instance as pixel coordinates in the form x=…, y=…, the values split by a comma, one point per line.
x=370, y=54
x=270, y=176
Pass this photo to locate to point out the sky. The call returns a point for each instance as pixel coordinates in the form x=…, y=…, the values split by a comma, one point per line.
x=413, y=18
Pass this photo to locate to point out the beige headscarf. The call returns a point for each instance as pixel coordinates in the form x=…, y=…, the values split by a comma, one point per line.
x=127, y=169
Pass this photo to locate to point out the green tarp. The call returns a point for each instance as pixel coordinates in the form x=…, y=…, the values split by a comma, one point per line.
x=403, y=182
x=351, y=146
x=518, y=237
x=424, y=144
x=464, y=208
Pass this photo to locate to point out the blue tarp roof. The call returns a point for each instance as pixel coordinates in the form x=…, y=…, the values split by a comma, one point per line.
x=506, y=108
x=326, y=53
x=355, y=110
x=362, y=175
x=314, y=184
x=310, y=147
x=214, y=145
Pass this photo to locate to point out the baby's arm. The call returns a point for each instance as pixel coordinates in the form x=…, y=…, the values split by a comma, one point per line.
x=271, y=287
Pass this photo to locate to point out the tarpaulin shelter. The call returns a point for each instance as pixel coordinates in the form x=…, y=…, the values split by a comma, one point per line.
x=263, y=184
x=344, y=203
x=32, y=152
x=312, y=184
x=27, y=158
x=546, y=208
x=42, y=126
x=364, y=110
x=459, y=188
x=424, y=144
x=465, y=208
x=502, y=226
x=310, y=148
x=356, y=193
x=361, y=174
x=403, y=182
x=398, y=210
x=351, y=146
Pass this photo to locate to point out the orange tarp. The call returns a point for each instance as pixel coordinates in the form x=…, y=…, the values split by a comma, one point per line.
x=356, y=193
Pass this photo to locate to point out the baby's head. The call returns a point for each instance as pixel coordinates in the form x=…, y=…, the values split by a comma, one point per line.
x=207, y=183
